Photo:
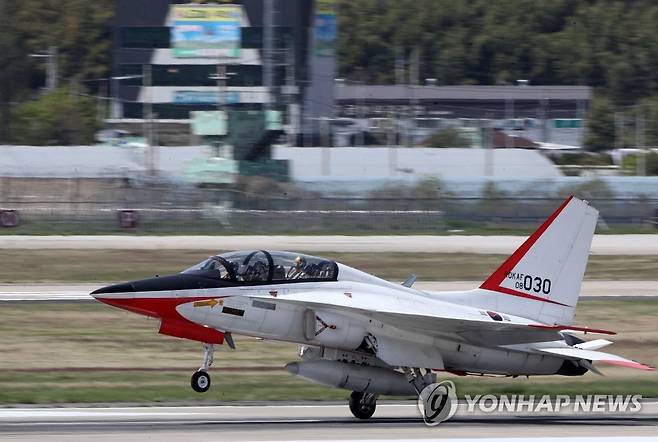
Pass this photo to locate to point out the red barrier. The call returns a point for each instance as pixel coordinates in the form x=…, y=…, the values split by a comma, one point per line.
x=128, y=219
x=9, y=218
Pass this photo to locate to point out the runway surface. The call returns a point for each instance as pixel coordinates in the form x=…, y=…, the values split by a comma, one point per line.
x=392, y=421
x=494, y=244
x=591, y=290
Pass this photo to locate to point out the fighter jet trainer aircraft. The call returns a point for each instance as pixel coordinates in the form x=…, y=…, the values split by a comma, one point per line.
x=374, y=337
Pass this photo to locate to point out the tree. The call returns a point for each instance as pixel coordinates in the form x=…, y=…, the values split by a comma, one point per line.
x=57, y=117
x=601, y=43
x=600, y=125
x=80, y=29
x=13, y=65
x=449, y=137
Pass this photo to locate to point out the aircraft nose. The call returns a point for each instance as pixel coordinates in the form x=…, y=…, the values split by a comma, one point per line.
x=116, y=288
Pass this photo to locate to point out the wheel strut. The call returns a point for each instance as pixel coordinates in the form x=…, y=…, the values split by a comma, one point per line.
x=208, y=354
x=363, y=405
x=201, y=379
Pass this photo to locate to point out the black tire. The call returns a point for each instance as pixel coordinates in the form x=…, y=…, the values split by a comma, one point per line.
x=362, y=405
x=200, y=381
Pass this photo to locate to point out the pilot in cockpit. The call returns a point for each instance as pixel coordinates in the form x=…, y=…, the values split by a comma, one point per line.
x=297, y=271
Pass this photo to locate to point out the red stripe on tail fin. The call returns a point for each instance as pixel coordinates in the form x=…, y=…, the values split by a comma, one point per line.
x=493, y=282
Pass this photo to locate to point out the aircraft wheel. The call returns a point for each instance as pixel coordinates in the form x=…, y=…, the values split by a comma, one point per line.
x=200, y=381
x=363, y=405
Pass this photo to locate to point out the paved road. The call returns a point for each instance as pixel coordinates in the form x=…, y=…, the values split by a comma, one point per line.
x=392, y=421
x=602, y=244
x=591, y=290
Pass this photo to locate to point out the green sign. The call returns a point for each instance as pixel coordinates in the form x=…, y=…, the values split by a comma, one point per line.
x=567, y=123
x=208, y=123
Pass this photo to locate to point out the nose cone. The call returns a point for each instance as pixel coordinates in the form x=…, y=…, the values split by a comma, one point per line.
x=116, y=288
x=123, y=296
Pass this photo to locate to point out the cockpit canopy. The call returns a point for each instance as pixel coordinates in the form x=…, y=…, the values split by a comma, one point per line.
x=261, y=266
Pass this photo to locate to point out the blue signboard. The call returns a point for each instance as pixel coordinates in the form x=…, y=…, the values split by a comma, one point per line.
x=205, y=97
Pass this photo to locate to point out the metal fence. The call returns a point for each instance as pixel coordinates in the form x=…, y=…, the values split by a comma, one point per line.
x=213, y=212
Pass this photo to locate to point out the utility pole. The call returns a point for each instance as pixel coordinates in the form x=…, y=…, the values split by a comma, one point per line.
x=221, y=86
x=221, y=98
x=147, y=117
x=581, y=117
x=399, y=66
x=51, y=83
x=268, y=40
x=414, y=78
x=115, y=111
x=392, y=148
x=641, y=166
x=74, y=94
x=509, y=116
x=488, y=141
x=619, y=130
x=361, y=113
x=51, y=69
x=100, y=103
x=543, y=117
x=325, y=151
x=414, y=71
x=291, y=93
x=399, y=80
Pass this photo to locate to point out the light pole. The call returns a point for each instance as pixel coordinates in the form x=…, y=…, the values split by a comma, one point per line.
x=222, y=77
x=115, y=93
x=360, y=105
x=147, y=113
x=52, y=70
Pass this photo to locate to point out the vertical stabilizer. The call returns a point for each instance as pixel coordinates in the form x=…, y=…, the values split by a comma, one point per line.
x=541, y=279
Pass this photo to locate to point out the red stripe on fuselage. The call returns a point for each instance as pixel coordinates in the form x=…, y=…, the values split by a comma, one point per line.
x=154, y=307
x=494, y=281
x=172, y=323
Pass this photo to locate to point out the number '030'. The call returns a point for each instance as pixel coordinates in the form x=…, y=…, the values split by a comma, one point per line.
x=536, y=284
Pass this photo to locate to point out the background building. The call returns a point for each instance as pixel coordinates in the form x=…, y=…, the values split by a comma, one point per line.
x=543, y=114
x=274, y=54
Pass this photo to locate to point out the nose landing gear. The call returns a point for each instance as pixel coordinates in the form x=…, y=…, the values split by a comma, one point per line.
x=201, y=379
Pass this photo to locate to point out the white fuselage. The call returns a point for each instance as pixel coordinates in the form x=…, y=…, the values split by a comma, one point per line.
x=267, y=312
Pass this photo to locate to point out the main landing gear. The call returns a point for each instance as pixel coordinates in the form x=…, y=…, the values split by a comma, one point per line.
x=434, y=400
x=201, y=379
x=363, y=405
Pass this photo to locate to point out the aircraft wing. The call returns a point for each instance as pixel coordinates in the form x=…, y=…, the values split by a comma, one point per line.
x=485, y=333
x=472, y=330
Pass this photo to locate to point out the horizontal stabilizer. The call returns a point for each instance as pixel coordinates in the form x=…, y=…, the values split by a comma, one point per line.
x=594, y=356
x=573, y=329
